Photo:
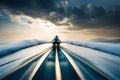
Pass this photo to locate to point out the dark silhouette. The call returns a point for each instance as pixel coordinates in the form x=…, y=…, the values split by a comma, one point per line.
x=56, y=41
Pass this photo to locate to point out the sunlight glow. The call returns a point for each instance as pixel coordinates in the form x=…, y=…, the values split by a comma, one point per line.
x=37, y=28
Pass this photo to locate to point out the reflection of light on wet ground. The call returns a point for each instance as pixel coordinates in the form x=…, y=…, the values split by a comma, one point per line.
x=23, y=55
x=104, y=62
x=57, y=63
x=39, y=64
x=57, y=67
x=74, y=65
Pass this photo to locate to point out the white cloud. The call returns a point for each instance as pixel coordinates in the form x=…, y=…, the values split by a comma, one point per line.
x=64, y=21
x=31, y=22
x=52, y=13
x=89, y=5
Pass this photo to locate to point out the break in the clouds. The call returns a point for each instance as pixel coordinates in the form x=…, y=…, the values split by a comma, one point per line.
x=76, y=14
x=81, y=13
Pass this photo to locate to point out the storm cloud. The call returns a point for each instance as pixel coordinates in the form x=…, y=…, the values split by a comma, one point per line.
x=81, y=14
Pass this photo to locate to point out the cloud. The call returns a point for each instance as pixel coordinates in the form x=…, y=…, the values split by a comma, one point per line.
x=66, y=12
x=91, y=16
x=64, y=21
x=115, y=40
x=29, y=22
x=107, y=33
x=1, y=15
x=65, y=32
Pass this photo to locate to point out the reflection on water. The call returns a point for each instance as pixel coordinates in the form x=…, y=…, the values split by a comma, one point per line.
x=66, y=62
x=17, y=58
x=57, y=65
x=105, y=62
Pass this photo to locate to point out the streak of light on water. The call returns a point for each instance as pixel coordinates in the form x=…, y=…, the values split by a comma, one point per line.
x=19, y=57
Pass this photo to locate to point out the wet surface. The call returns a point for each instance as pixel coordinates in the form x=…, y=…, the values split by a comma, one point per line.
x=42, y=66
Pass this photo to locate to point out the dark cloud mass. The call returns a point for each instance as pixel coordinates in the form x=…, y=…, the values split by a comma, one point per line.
x=81, y=13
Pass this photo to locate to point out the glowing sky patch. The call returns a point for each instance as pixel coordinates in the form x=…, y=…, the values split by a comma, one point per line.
x=69, y=19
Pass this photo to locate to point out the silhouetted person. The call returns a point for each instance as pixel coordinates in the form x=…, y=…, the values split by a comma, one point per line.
x=56, y=41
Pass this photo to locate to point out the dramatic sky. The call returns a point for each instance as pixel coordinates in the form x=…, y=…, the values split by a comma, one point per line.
x=70, y=19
